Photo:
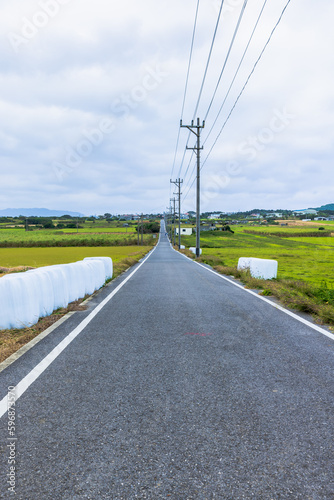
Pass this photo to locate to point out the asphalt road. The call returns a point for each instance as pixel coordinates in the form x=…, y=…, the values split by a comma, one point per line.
x=183, y=386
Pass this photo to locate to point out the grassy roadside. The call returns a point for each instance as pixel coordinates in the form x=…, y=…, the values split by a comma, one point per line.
x=308, y=259
x=12, y=340
x=295, y=294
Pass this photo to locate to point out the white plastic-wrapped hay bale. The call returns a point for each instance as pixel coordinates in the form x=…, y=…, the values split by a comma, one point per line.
x=6, y=305
x=94, y=275
x=27, y=296
x=99, y=272
x=80, y=271
x=75, y=281
x=59, y=282
x=108, y=266
x=182, y=247
x=24, y=298
x=45, y=293
x=259, y=268
x=193, y=250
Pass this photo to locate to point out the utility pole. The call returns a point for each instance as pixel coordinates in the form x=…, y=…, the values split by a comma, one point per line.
x=142, y=229
x=174, y=214
x=178, y=183
x=138, y=232
x=173, y=226
x=166, y=221
x=196, y=129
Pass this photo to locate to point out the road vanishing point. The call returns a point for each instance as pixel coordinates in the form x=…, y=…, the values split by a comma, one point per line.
x=174, y=383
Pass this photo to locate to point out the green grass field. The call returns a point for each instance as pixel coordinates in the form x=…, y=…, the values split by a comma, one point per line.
x=307, y=259
x=37, y=257
x=54, y=238
x=306, y=228
x=122, y=230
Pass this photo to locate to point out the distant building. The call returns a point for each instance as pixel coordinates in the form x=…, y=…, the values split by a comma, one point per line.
x=185, y=231
x=129, y=217
x=214, y=216
x=307, y=211
x=208, y=227
x=274, y=215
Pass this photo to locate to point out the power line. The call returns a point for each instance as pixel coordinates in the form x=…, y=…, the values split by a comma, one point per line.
x=191, y=157
x=208, y=60
x=247, y=81
x=204, y=77
x=190, y=58
x=186, y=85
x=191, y=183
x=244, y=86
x=227, y=56
x=237, y=71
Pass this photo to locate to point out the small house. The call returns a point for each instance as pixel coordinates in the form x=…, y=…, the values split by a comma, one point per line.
x=185, y=231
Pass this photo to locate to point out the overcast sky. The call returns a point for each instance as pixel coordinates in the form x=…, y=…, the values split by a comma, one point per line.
x=92, y=93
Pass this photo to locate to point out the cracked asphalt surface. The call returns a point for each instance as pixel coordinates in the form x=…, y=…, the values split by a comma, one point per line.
x=183, y=387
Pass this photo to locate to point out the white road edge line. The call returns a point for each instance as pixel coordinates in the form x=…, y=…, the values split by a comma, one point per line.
x=276, y=306
x=33, y=375
x=14, y=357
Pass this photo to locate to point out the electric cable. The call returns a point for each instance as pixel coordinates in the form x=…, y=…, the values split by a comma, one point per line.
x=227, y=56
x=186, y=85
x=208, y=60
x=245, y=84
x=204, y=78
x=237, y=71
x=247, y=81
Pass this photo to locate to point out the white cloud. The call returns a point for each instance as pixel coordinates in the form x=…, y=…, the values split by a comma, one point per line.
x=123, y=64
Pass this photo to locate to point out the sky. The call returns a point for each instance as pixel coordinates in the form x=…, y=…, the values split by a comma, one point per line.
x=92, y=93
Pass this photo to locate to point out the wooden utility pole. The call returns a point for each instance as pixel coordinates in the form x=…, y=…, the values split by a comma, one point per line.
x=173, y=226
x=178, y=183
x=142, y=229
x=196, y=129
x=138, y=232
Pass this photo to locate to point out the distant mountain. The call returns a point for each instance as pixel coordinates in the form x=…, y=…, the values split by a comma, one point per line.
x=36, y=212
x=330, y=206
